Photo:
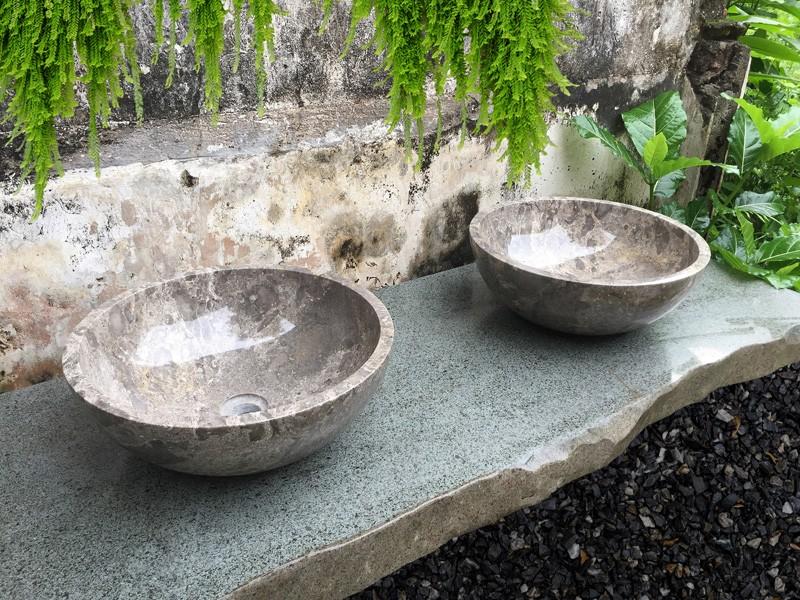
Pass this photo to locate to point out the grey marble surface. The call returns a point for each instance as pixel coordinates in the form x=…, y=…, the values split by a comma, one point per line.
x=480, y=413
x=230, y=371
x=586, y=266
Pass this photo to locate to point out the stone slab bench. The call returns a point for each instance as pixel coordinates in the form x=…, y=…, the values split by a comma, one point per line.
x=480, y=414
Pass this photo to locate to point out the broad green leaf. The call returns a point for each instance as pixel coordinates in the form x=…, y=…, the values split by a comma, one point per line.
x=790, y=7
x=697, y=216
x=759, y=204
x=721, y=208
x=782, y=282
x=758, y=76
x=664, y=114
x=788, y=122
x=781, y=146
x=767, y=24
x=778, y=136
x=790, y=229
x=748, y=234
x=737, y=262
x=687, y=162
x=785, y=277
x=766, y=8
x=780, y=249
x=768, y=48
x=772, y=277
x=731, y=240
x=674, y=211
x=655, y=151
x=669, y=184
x=744, y=142
x=589, y=129
x=786, y=128
x=764, y=127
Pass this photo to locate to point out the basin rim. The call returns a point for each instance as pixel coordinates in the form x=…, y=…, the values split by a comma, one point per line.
x=371, y=366
x=700, y=263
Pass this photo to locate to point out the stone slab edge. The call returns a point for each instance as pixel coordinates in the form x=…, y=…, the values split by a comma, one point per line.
x=346, y=567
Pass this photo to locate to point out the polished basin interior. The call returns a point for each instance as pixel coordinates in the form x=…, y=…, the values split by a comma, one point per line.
x=199, y=350
x=590, y=242
x=230, y=371
x=586, y=266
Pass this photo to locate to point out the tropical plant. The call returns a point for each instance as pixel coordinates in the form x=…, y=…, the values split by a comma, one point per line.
x=657, y=130
x=773, y=30
x=773, y=34
x=503, y=51
x=755, y=231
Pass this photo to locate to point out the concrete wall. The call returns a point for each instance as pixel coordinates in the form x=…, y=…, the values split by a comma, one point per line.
x=319, y=182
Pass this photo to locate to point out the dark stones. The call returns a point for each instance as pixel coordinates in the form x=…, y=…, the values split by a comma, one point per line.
x=609, y=536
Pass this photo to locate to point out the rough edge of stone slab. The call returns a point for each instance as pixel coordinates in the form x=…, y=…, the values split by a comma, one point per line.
x=347, y=567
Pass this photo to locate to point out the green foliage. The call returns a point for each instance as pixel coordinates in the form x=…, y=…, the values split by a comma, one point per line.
x=261, y=12
x=764, y=141
x=752, y=228
x=755, y=231
x=745, y=145
x=502, y=50
x=590, y=129
x=665, y=115
x=777, y=136
x=399, y=37
x=38, y=45
x=657, y=129
x=206, y=20
x=772, y=34
x=44, y=43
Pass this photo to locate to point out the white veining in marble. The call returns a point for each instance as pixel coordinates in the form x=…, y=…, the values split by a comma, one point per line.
x=207, y=335
x=554, y=246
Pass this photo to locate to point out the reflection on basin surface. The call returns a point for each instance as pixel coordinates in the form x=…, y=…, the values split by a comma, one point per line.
x=230, y=371
x=586, y=266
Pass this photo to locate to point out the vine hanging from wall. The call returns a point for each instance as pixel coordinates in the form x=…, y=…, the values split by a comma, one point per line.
x=502, y=52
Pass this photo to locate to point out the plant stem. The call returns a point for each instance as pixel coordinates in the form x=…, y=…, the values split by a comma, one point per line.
x=652, y=202
x=732, y=196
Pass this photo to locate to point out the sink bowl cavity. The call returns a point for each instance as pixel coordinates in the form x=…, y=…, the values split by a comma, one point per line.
x=586, y=266
x=230, y=371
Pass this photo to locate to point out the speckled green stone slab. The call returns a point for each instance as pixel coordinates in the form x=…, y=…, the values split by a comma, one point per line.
x=480, y=413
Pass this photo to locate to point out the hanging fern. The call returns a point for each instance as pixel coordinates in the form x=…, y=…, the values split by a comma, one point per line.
x=261, y=12
x=502, y=51
x=38, y=42
x=175, y=13
x=513, y=53
x=206, y=21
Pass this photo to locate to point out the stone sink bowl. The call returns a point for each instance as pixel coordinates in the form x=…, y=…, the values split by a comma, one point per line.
x=586, y=266
x=230, y=371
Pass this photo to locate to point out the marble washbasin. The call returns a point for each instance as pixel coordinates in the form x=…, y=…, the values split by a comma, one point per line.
x=230, y=371
x=586, y=266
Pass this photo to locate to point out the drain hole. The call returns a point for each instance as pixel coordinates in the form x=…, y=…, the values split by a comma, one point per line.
x=242, y=404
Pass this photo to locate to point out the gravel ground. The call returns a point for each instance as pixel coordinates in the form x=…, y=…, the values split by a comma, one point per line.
x=704, y=504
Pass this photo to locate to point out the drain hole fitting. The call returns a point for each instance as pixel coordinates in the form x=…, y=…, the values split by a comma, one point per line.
x=242, y=404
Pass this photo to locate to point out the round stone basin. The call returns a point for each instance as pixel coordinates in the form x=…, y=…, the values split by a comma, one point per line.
x=230, y=371
x=586, y=266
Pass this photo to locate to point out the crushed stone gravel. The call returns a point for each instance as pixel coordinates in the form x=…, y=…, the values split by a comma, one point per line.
x=703, y=504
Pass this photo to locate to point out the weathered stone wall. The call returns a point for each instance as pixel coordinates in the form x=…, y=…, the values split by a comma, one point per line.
x=318, y=182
